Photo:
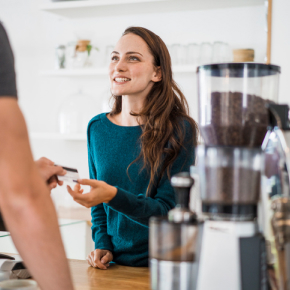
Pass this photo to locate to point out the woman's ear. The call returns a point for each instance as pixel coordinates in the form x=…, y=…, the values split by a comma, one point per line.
x=157, y=76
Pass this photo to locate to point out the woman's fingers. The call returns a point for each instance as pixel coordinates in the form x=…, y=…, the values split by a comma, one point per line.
x=70, y=191
x=107, y=258
x=91, y=262
x=83, y=199
x=77, y=187
x=97, y=259
x=90, y=259
x=90, y=182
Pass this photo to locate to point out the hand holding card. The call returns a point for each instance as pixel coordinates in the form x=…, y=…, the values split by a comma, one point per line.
x=49, y=171
x=71, y=175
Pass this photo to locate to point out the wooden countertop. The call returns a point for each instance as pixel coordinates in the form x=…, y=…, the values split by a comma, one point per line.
x=116, y=277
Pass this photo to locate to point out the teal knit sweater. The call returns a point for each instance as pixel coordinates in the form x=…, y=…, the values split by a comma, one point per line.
x=122, y=225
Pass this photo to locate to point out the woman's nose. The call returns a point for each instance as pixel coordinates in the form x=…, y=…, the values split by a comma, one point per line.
x=121, y=65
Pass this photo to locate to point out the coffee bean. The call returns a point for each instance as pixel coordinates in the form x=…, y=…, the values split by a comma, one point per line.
x=236, y=120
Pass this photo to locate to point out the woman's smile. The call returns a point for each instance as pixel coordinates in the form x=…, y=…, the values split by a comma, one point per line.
x=120, y=80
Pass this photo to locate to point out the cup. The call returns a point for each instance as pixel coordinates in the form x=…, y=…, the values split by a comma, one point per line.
x=173, y=50
x=192, y=54
x=181, y=54
x=205, y=53
x=20, y=284
x=243, y=55
x=221, y=52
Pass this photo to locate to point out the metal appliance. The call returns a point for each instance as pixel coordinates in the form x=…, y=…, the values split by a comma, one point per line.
x=233, y=120
x=277, y=167
x=173, y=242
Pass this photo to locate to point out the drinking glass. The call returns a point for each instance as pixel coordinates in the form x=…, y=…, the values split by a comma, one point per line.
x=173, y=50
x=181, y=54
x=205, y=53
x=192, y=54
x=221, y=52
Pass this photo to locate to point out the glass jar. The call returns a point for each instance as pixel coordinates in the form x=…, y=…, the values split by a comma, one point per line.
x=76, y=112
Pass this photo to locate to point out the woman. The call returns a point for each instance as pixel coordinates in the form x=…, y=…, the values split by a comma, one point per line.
x=146, y=138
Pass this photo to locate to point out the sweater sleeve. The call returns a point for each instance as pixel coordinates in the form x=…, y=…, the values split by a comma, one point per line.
x=99, y=217
x=7, y=72
x=140, y=208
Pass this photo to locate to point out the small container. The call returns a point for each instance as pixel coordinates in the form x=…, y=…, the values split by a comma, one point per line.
x=192, y=54
x=19, y=284
x=60, y=57
x=243, y=55
x=205, y=53
x=81, y=55
x=221, y=52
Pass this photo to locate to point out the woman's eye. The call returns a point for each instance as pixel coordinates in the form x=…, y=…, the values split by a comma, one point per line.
x=133, y=58
x=114, y=58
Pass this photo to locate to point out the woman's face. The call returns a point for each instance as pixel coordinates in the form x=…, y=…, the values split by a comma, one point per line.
x=131, y=69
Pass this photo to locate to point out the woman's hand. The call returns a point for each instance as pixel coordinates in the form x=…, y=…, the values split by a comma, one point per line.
x=100, y=259
x=100, y=192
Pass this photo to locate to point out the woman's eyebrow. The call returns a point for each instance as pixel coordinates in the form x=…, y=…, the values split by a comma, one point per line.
x=133, y=52
x=129, y=52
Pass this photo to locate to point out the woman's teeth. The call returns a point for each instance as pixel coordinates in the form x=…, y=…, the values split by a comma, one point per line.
x=121, y=80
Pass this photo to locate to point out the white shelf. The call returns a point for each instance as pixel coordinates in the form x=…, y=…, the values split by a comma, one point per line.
x=58, y=136
x=184, y=68
x=103, y=71
x=94, y=8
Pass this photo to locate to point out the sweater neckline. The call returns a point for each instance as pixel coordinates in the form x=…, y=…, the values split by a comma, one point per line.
x=113, y=125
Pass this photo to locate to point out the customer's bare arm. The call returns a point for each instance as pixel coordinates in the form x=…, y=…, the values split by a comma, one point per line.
x=26, y=205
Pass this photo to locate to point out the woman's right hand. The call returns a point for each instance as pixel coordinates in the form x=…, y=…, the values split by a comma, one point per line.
x=100, y=259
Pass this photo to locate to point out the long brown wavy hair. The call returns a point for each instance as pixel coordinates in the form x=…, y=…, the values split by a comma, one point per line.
x=164, y=111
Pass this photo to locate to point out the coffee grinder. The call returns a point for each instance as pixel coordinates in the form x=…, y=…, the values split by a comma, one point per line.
x=233, y=121
x=173, y=242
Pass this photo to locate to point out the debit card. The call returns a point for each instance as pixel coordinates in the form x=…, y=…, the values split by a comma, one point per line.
x=72, y=174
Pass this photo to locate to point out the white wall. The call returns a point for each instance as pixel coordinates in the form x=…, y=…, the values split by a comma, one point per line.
x=281, y=45
x=35, y=33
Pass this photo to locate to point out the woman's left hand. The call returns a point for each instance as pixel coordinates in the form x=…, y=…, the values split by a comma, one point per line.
x=100, y=192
